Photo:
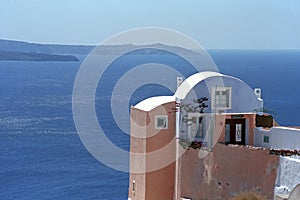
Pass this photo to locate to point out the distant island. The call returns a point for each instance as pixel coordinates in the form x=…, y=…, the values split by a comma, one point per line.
x=24, y=51
x=29, y=56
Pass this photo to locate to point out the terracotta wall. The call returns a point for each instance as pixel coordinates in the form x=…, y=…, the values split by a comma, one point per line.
x=137, y=145
x=158, y=146
x=226, y=171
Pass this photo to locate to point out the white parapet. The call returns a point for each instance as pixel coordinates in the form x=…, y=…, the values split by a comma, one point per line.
x=285, y=138
x=277, y=138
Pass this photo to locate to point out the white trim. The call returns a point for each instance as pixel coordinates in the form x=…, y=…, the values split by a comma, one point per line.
x=153, y=102
x=165, y=117
x=187, y=85
x=241, y=113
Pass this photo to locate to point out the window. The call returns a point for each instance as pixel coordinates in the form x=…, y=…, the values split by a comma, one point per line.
x=161, y=122
x=221, y=97
x=266, y=139
x=238, y=132
x=196, y=126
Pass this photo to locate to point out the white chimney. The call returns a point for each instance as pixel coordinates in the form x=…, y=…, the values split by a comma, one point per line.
x=257, y=92
x=179, y=81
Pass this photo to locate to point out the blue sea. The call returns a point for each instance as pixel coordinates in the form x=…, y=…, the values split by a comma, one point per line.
x=41, y=155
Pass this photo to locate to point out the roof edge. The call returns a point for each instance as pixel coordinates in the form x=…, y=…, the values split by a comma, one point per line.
x=153, y=102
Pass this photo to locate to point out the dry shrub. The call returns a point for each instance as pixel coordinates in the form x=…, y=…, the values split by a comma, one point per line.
x=249, y=196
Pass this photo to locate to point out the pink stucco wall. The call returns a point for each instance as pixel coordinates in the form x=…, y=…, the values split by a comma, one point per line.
x=158, y=179
x=226, y=171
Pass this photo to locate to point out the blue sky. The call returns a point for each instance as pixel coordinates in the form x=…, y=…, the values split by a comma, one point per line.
x=242, y=24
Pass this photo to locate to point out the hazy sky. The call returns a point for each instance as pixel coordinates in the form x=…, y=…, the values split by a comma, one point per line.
x=213, y=23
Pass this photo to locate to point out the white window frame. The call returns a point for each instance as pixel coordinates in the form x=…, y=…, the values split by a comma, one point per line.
x=213, y=97
x=157, y=117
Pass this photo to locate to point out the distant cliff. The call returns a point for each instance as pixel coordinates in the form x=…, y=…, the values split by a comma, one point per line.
x=17, y=46
x=24, y=56
x=25, y=51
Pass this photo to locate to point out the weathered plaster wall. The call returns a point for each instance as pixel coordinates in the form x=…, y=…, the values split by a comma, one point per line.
x=227, y=171
x=156, y=177
x=137, y=145
x=161, y=149
x=288, y=174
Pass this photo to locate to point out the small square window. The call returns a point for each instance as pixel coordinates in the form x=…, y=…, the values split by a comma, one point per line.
x=161, y=122
x=266, y=139
x=221, y=97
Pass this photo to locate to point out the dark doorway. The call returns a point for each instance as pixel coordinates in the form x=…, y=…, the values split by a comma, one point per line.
x=235, y=131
